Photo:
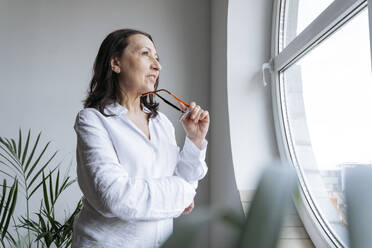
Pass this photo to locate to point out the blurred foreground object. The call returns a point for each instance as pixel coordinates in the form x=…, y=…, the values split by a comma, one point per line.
x=358, y=193
x=262, y=225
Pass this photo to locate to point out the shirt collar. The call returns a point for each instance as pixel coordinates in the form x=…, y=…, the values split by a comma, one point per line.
x=118, y=109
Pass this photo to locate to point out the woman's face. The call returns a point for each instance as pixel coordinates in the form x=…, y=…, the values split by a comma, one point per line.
x=139, y=67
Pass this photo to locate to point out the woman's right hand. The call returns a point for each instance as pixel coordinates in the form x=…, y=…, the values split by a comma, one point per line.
x=196, y=123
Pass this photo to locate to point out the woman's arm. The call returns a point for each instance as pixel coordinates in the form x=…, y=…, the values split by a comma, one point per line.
x=108, y=187
x=191, y=165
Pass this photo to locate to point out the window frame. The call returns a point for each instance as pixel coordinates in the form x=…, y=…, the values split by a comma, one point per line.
x=332, y=18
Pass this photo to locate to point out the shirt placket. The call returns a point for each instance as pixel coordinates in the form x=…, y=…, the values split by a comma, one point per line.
x=151, y=142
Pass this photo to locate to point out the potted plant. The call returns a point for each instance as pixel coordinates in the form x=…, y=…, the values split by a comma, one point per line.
x=30, y=172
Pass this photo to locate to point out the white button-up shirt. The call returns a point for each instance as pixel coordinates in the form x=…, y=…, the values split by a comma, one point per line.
x=132, y=187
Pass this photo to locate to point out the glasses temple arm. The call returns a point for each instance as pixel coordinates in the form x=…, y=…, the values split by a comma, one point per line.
x=171, y=104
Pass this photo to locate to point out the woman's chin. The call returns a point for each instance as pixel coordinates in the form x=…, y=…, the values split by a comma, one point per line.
x=151, y=87
x=147, y=89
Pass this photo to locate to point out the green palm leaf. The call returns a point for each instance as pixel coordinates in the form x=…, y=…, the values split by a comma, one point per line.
x=37, y=160
x=7, y=206
x=38, y=186
x=26, y=147
x=56, y=191
x=14, y=146
x=13, y=198
x=33, y=151
x=45, y=193
x=3, y=196
x=51, y=191
x=22, y=160
x=9, y=145
x=19, y=144
x=9, y=155
x=17, y=159
x=37, y=175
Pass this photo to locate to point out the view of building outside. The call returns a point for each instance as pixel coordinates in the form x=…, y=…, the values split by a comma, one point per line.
x=334, y=185
x=328, y=100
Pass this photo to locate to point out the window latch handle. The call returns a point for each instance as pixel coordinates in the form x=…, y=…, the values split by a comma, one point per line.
x=266, y=66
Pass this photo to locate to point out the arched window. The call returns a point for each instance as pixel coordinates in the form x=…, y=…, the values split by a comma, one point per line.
x=322, y=97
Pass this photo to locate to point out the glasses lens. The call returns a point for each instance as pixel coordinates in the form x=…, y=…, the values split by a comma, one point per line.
x=166, y=99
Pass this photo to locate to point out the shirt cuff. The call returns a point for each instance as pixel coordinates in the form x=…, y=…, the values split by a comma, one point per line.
x=193, y=152
x=194, y=184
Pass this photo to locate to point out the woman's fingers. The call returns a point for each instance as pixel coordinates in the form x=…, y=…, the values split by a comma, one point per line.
x=194, y=109
x=196, y=112
x=182, y=106
x=198, y=115
x=204, y=114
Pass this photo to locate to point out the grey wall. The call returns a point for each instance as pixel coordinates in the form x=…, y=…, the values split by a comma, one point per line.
x=223, y=186
x=250, y=107
x=243, y=140
x=47, y=49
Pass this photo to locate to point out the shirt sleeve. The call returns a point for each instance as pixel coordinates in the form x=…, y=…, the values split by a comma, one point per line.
x=107, y=186
x=191, y=164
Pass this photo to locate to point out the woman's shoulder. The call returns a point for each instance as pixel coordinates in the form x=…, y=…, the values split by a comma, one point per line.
x=109, y=110
x=88, y=115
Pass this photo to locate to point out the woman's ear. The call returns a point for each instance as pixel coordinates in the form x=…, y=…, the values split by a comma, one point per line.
x=115, y=65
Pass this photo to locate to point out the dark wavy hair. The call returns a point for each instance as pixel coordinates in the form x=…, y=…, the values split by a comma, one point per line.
x=104, y=87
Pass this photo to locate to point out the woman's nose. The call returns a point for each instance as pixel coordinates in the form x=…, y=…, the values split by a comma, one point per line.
x=156, y=65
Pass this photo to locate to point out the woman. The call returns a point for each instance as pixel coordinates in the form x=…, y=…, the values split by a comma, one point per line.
x=134, y=177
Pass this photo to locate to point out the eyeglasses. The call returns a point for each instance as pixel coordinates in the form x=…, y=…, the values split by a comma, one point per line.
x=168, y=102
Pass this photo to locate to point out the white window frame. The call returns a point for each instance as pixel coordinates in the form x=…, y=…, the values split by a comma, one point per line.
x=327, y=22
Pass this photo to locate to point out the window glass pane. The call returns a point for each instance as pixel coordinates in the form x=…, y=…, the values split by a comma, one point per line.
x=298, y=14
x=328, y=99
